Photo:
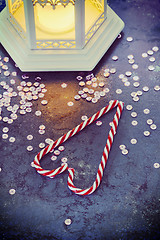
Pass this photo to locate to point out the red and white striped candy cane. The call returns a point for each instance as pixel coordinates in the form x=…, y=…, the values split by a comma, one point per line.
x=101, y=167
x=49, y=148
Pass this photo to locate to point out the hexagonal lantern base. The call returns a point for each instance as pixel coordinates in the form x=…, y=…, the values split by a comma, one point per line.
x=60, y=60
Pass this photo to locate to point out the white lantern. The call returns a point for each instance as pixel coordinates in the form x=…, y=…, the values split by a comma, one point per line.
x=58, y=35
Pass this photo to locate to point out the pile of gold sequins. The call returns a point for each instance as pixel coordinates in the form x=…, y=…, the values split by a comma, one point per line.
x=27, y=91
x=91, y=88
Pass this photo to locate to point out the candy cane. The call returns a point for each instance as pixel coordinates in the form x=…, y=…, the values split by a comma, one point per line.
x=101, y=167
x=64, y=167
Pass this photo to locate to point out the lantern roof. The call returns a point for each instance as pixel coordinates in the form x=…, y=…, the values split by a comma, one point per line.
x=53, y=3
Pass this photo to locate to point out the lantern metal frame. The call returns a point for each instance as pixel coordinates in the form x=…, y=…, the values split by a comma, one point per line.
x=81, y=54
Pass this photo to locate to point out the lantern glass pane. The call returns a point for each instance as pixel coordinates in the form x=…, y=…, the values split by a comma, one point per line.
x=17, y=16
x=58, y=23
x=94, y=16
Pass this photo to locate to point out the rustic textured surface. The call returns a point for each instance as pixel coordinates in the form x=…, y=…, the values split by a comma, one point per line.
x=126, y=205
